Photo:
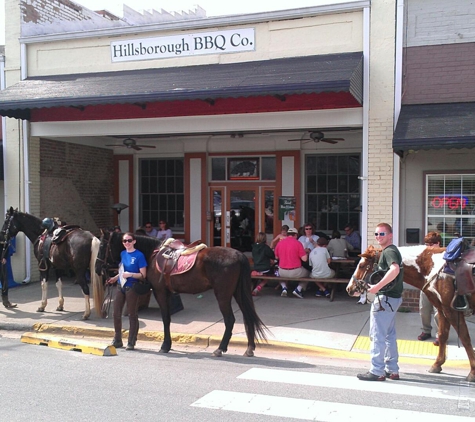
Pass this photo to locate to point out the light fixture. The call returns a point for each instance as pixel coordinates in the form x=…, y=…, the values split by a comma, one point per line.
x=119, y=207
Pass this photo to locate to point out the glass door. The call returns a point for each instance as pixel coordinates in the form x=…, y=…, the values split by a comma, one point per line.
x=242, y=205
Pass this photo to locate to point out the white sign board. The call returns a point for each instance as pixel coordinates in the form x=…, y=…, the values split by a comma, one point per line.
x=218, y=42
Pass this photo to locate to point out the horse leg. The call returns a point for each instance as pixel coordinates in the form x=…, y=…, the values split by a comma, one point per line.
x=443, y=336
x=163, y=300
x=229, y=320
x=457, y=320
x=59, y=286
x=44, y=295
x=85, y=290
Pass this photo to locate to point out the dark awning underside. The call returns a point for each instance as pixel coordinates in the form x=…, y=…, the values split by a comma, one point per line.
x=435, y=126
x=297, y=75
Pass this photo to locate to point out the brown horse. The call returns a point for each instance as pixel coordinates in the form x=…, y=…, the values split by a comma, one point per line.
x=225, y=270
x=423, y=270
x=78, y=253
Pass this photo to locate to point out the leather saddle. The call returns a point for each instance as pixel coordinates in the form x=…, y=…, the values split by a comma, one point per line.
x=60, y=234
x=48, y=241
x=174, y=257
x=464, y=272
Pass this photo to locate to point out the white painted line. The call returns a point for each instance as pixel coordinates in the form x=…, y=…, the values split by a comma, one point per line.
x=311, y=409
x=446, y=392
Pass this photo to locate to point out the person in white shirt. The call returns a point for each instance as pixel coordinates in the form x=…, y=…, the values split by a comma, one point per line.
x=319, y=261
x=308, y=240
x=338, y=247
x=164, y=232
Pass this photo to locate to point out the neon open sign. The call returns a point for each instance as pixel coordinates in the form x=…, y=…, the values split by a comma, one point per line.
x=452, y=202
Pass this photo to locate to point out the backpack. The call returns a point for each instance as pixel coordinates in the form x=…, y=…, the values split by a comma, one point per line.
x=452, y=253
x=454, y=249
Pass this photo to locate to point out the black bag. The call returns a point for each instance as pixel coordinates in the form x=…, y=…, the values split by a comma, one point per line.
x=142, y=287
x=377, y=276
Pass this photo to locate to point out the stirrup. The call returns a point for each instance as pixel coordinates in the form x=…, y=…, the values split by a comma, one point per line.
x=459, y=303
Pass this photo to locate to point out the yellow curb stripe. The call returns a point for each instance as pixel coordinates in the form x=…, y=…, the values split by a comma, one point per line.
x=405, y=347
x=83, y=346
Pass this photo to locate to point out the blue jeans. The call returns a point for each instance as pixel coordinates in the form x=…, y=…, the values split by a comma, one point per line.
x=382, y=333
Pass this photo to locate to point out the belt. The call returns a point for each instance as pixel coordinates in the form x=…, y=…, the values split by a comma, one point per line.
x=288, y=269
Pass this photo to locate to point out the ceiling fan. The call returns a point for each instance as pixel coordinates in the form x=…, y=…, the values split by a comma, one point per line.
x=131, y=144
x=318, y=136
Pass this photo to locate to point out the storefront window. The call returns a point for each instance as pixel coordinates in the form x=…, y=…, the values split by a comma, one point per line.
x=332, y=191
x=161, y=194
x=450, y=205
x=243, y=168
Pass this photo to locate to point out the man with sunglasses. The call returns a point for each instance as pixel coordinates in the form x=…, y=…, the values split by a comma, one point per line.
x=382, y=328
x=150, y=230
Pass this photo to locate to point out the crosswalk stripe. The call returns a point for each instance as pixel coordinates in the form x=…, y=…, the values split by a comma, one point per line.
x=310, y=409
x=446, y=392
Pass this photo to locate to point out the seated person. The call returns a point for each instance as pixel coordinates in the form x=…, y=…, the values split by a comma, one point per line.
x=150, y=230
x=264, y=259
x=164, y=232
x=353, y=238
x=308, y=239
x=279, y=237
x=290, y=254
x=338, y=247
x=319, y=261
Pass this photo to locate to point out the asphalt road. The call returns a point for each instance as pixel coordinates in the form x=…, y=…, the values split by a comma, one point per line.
x=44, y=384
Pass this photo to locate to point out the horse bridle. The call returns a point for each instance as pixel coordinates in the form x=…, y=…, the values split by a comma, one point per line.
x=362, y=286
x=6, y=238
x=105, y=266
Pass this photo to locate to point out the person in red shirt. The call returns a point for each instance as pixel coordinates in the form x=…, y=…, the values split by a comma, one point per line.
x=290, y=253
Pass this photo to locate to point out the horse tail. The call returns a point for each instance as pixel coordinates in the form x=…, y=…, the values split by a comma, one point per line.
x=96, y=280
x=255, y=328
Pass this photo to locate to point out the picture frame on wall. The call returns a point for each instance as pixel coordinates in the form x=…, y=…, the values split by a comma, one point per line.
x=243, y=168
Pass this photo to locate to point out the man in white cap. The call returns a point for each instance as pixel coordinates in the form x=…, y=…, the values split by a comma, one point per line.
x=290, y=253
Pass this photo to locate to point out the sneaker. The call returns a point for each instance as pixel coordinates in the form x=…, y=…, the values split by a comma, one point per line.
x=424, y=336
x=255, y=291
x=392, y=375
x=284, y=293
x=371, y=377
x=326, y=293
x=320, y=293
x=298, y=293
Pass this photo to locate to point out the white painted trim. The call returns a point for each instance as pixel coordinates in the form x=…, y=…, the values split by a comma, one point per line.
x=349, y=117
x=201, y=23
x=365, y=151
x=195, y=198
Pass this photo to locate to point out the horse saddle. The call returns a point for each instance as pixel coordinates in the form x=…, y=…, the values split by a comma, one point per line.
x=463, y=270
x=175, y=258
x=60, y=234
x=44, y=247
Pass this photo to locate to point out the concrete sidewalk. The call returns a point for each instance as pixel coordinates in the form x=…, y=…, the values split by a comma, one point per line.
x=299, y=324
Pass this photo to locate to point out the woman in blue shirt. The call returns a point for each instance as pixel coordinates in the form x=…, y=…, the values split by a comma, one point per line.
x=132, y=268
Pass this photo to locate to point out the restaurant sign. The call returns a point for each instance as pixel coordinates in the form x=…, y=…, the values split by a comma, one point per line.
x=217, y=42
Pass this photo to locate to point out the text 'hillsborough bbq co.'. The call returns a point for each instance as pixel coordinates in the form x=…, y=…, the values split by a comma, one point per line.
x=217, y=42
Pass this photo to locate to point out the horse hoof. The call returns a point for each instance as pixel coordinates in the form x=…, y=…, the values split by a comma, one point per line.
x=470, y=377
x=435, y=370
x=40, y=310
x=9, y=305
x=163, y=351
x=60, y=308
x=248, y=353
x=85, y=317
x=218, y=353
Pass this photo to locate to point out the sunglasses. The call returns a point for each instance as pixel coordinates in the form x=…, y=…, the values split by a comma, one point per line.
x=127, y=240
x=308, y=228
x=380, y=234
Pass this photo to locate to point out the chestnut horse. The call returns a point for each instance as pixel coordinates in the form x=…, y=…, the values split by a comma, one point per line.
x=225, y=270
x=77, y=252
x=423, y=270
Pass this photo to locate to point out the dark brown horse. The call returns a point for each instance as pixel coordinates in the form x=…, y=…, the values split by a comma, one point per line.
x=77, y=252
x=423, y=270
x=224, y=270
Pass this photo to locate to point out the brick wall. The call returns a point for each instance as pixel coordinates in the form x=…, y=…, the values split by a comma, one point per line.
x=439, y=74
x=410, y=299
x=76, y=184
x=380, y=174
x=47, y=11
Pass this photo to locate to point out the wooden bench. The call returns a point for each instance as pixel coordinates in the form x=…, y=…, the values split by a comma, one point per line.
x=308, y=279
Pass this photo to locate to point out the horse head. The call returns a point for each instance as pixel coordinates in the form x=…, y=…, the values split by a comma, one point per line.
x=103, y=263
x=10, y=225
x=359, y=281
